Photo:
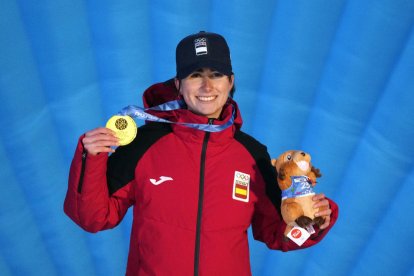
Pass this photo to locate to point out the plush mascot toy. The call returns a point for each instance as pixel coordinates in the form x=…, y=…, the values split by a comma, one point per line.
x=296, y=178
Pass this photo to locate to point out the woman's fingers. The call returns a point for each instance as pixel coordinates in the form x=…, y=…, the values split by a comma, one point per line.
x=100, y=140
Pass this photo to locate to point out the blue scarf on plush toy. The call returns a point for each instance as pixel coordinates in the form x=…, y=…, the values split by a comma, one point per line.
x=301, y=186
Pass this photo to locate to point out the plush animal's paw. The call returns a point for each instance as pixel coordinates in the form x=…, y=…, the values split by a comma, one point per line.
x=303, y=221
x=281, y=174
x=319, y=221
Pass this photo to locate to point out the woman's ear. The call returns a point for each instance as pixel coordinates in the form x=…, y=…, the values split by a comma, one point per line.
x=232, y=80
x=177, y=84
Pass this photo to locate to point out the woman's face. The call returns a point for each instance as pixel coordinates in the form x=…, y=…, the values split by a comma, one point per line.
x=205, y=91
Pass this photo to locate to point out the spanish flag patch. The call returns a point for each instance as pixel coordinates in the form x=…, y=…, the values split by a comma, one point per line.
x=241, y=185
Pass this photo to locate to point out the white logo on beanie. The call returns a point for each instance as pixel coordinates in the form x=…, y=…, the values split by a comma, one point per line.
x=200, y=45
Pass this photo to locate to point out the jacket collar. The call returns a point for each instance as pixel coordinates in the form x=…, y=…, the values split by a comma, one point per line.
x=163, y=92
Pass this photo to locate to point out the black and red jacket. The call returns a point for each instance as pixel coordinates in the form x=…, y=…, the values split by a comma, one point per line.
x=190, y=215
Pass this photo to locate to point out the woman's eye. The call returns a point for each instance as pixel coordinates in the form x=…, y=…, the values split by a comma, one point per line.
x=217, y=75
x=195, y=75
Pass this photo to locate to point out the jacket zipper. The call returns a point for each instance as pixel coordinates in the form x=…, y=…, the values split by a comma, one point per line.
x=82, y=172
x=200, y=200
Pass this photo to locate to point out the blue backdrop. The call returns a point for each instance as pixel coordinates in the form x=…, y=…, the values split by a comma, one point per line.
x=332, y=77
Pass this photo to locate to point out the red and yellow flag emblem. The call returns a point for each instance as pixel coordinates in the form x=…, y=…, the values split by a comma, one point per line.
x=241, y=185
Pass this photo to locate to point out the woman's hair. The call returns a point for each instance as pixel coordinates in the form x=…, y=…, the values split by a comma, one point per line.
x=232, y=90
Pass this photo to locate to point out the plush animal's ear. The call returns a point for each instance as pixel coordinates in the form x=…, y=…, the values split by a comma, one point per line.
x=274, y=162
x=316, y=171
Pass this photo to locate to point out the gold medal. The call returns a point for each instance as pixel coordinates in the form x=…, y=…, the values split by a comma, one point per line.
x=125, y=128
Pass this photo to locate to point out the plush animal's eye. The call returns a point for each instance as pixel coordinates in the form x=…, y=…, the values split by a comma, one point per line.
x=289, y=157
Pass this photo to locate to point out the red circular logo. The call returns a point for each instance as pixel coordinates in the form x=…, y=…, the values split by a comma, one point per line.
x=296, y=233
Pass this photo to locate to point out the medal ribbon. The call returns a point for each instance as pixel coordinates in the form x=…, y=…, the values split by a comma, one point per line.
x=140, y=113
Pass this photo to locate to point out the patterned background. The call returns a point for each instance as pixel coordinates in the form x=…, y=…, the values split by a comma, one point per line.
x=332, y=77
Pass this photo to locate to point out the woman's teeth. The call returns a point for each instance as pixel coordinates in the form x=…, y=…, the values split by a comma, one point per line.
x=206, y=99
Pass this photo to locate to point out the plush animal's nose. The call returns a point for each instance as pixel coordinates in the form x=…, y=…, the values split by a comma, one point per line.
x=303, y=154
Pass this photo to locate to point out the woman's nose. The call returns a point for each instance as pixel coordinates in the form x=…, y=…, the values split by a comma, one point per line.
x=207, y=83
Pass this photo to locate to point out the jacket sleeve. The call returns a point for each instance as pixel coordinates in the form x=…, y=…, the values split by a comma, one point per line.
x=88, y=202
x=267, y=223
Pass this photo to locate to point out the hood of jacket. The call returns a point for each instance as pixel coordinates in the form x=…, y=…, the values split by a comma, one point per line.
x=163, y=92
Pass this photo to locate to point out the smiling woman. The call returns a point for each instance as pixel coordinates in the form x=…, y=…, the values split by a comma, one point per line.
x=102, y=188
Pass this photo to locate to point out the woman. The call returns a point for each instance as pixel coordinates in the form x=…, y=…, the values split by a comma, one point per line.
x=196, y=184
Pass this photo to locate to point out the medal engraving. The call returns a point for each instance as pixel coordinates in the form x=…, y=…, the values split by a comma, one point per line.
x=121, y=124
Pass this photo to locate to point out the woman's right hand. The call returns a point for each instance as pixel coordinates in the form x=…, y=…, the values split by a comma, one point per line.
x=100, y=140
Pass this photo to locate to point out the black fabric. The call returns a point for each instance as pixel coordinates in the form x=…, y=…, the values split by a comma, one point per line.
x=259, y=152
x=82, y=172
x=122, y=163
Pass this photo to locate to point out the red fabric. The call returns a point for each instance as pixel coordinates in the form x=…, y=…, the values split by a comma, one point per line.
x=165, y=215
x=160, y=93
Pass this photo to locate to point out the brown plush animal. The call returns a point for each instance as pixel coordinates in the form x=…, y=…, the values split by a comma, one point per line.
x=296, y=177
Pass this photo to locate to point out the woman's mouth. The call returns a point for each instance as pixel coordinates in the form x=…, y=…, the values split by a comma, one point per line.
x=206, y=98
